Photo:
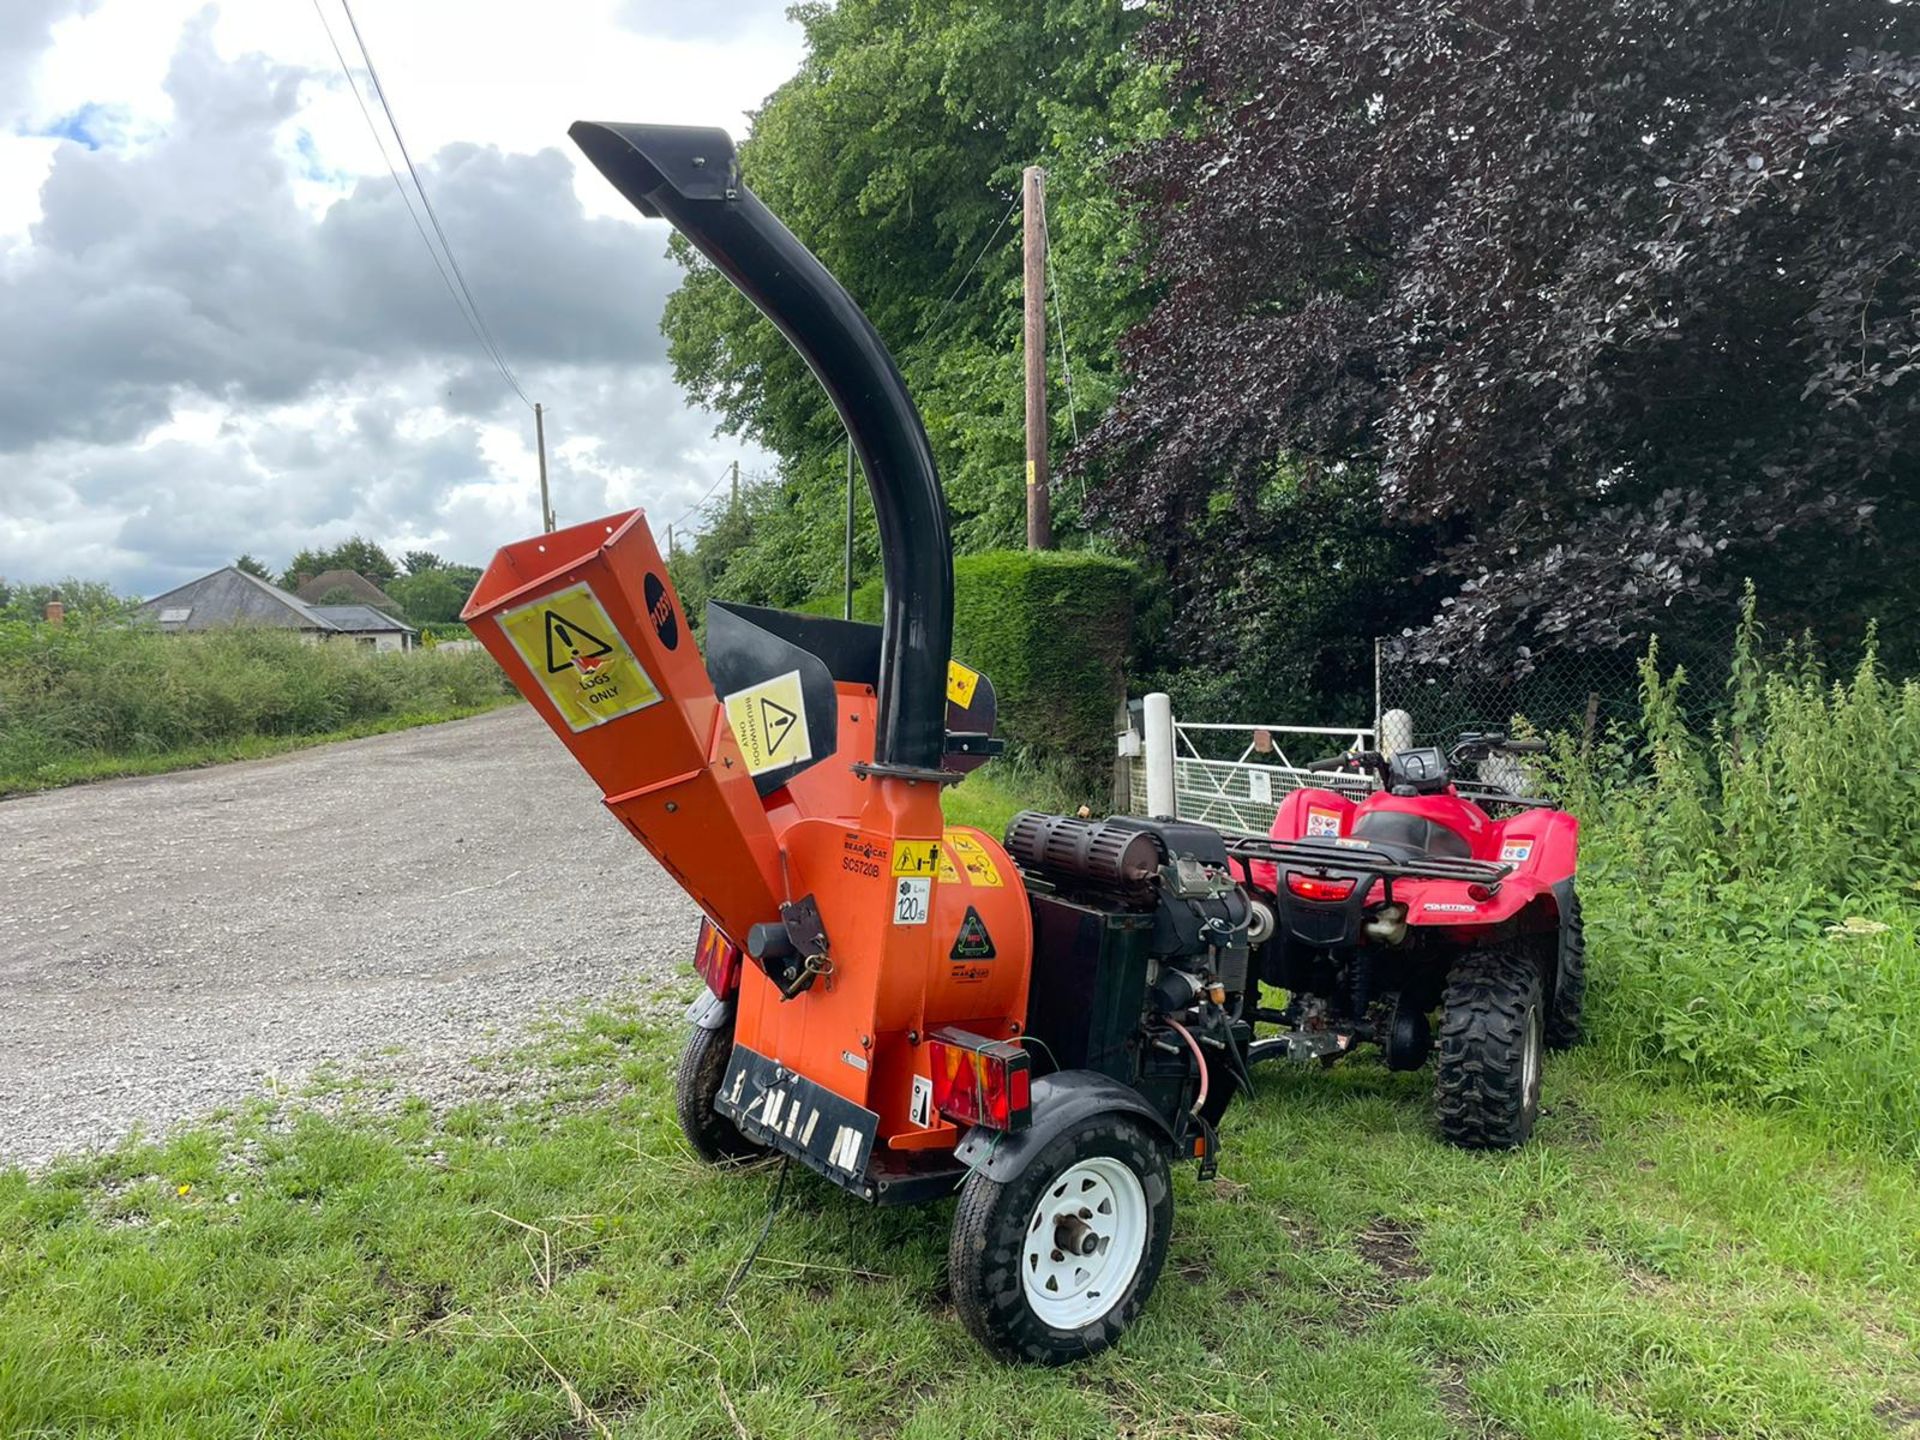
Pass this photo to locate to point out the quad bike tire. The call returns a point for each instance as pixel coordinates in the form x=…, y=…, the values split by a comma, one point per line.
x=1565, y=1028
x=1492, y=1036
x=1010, y=1240
x=703, y=1065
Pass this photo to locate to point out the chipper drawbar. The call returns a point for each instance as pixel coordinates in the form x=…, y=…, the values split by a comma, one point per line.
x=906, y=1007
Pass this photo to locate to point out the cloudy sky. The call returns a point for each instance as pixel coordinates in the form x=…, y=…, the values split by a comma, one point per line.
x=219, y=330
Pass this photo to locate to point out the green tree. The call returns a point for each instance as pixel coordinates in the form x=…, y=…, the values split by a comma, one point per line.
x=434, y=595
x=253, y=567
x=357, y=554
x=1614, y=303
x=895, y=154
x=418, y=562
x=94, y=599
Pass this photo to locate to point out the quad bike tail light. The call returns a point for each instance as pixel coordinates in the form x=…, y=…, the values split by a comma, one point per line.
x=977, y=1081
x=1320, y=887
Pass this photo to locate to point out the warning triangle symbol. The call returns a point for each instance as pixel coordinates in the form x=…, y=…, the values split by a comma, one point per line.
x=776, y=722
x=973, y=942
x=568, y=644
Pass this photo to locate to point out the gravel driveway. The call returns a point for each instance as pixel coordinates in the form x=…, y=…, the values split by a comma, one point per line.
x=399, y=904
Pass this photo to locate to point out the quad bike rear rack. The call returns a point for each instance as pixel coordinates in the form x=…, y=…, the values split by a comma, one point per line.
x=1352, y=859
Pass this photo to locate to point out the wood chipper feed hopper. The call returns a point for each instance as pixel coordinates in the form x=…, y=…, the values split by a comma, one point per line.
x=868, y=967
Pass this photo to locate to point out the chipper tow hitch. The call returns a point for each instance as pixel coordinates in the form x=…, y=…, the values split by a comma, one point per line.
x=872, y=981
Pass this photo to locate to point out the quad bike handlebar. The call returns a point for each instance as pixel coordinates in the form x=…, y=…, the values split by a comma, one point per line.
x=1423, y=770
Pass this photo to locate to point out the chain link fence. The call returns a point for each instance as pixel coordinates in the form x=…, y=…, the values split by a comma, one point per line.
x=1233, y=774
x=1582, y=694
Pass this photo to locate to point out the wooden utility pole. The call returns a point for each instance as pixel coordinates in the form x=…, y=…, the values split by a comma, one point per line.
x=540, y=439
x=734, y=504
x=1033, y=199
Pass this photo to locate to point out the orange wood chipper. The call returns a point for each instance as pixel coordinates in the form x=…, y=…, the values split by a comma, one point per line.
x=908, y=1008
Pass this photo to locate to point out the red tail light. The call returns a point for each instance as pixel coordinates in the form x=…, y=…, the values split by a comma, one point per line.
x=977, y=1081
x=1319, y=887
x=1481, y=893
x=717, y=961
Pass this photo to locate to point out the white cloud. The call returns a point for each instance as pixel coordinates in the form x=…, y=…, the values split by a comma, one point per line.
x=220, y=332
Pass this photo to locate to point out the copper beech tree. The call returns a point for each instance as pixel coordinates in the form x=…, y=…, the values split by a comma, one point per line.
x=1605, y=303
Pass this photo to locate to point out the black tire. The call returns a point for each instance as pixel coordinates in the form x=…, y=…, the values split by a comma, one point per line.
x=1564, y=1023
x=1492, y=1037
x=703, y=1065
x=988, y=1262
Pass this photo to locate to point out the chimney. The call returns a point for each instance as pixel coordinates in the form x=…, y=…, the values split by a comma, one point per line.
x=55, y=612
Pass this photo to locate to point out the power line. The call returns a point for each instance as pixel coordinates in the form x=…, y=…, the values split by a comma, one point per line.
x=475, y=318
x=694, y=508
x=398, y=184
x=1011, y=211
x=1060, y=325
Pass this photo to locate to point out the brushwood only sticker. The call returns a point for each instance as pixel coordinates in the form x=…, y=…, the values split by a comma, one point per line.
x=770, y=722
x=587, y=670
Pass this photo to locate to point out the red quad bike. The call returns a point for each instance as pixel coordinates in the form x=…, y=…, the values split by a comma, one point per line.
x=1417, y=900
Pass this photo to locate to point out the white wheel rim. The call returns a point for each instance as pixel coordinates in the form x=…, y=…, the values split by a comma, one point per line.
x=1099, y=1202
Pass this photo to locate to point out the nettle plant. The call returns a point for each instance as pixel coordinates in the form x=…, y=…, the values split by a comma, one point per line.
x=1750, y=890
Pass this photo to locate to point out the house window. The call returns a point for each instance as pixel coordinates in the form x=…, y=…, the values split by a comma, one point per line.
x=176, y=614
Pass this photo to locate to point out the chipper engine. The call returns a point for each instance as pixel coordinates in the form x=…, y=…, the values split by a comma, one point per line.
x=905, y=1007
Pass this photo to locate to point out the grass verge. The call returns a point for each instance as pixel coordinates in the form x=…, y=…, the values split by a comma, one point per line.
x=1655, y=1263
x=78, y=770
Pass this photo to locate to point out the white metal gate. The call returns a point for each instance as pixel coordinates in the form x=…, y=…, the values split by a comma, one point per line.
x=1182, y=768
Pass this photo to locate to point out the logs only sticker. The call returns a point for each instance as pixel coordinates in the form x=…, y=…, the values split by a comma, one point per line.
x=770, y=722
x=577, y=655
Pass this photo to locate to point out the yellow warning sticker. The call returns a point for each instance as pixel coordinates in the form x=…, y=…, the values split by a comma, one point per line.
x=961, y=683
x=916, y=857
x=950, y=875
x=974, y=859
x=581, y=661
x=770, y=722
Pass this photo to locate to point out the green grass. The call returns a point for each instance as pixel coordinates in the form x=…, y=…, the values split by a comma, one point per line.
x=99, y=698
x=52, y=774
x=1654, y=1264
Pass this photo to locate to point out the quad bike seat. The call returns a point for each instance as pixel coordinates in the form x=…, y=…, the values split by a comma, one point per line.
x=1410, y=837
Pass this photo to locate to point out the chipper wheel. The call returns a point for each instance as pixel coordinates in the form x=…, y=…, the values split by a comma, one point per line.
x=703, y=1065
x=1492, y=1037
x=1054, y=1263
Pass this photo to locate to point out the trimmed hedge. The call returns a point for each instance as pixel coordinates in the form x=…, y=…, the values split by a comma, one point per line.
x=1051, y=630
